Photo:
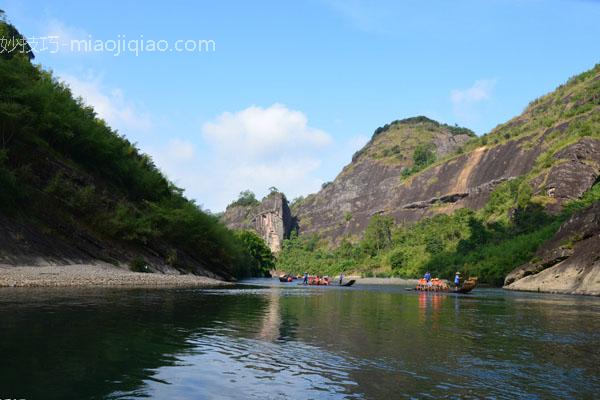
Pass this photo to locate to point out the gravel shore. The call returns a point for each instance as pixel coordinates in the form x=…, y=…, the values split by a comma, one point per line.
x=102, y=275
x=384, y=281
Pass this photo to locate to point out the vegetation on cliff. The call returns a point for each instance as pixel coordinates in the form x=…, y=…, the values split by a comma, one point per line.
x=473, y=242
x=247, y=198
x=397, y=141
x=63, y=169
x=520, y=214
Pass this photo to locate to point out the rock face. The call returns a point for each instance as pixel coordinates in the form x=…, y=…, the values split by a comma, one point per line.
x=577, y=169
x=567, y=263
x=369, y=186
x=370, y=183
x=271, y=219
x=554, y=145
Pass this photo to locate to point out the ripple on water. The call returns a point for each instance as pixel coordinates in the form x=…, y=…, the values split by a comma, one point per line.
x=292, y=371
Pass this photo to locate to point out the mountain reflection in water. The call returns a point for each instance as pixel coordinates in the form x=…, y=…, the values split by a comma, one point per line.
x=287, y=341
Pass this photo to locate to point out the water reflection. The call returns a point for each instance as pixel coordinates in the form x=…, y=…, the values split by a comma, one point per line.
x=271, y=320
x=292, y=342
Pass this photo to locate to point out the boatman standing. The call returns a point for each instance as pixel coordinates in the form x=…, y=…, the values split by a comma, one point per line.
x=341, y=278
x=457, y=279
x=427, y=276
x=305, y=281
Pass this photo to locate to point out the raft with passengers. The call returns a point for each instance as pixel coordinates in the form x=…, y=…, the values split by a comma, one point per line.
x=430, y=284
x=315, y=280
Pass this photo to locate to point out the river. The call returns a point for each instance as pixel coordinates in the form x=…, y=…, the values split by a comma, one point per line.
x=266, y=340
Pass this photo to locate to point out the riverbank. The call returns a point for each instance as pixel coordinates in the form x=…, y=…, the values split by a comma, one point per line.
x=383, y=281
x=100, y=275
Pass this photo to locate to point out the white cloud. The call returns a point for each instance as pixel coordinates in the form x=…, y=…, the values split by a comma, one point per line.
x=254, y=149
x=468, y=104
x=180, y=150
x=65, y=34
x=110, y=104
x=481, y=90
x=256, y=131
x=258, y=147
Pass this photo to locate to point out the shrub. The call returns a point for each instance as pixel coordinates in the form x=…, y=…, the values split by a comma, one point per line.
x=246, y=198
x=139, y=265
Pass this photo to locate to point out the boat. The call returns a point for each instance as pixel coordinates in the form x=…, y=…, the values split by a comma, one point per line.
x=467, y=285
x=440, y=285
x=286, y=278
x=434, y=285
x=314, y=281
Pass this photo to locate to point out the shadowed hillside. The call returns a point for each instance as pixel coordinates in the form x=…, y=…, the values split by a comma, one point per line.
x=75, y=191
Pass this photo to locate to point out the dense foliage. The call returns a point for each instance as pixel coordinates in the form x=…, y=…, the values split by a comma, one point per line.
x=454, y=130
x=488, y=244
x=423, y=156
x=60, y=162
x=245, y=199
x=259, y=258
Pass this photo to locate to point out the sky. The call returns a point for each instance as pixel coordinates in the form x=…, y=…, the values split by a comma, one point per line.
x=233, y=95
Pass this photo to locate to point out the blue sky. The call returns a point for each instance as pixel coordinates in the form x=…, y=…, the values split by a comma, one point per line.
x=292, y=89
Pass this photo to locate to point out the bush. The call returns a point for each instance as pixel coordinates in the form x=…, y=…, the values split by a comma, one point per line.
x=245, y=199
x=258, y=255
x=139, y=265
x=77, y=170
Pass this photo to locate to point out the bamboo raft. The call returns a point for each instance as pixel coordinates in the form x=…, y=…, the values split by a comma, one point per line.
x=440, y=285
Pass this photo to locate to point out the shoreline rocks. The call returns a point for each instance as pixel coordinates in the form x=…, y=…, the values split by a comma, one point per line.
x=569, y=263
x=96, y=275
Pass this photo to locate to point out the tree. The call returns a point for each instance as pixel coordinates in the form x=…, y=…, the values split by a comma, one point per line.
x=378, y=235
x=423, y=155
x=258, y=253
x=246, y=198
x=273, y=189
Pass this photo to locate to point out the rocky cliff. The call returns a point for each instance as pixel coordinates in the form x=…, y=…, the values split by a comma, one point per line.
x=271, y=219
x=369, y=184
x=567, y=263
x=554, y=144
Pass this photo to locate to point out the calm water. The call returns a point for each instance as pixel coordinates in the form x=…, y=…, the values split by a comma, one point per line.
x=283, y=341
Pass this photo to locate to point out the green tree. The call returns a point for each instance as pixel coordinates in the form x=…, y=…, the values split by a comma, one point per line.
x=423, y=155
x=246, y=198
x=378, y=235
x=259, y=256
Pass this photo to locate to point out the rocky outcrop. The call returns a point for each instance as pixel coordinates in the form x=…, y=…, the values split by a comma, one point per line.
x=271, y=219
x=368, y=187
x=567, y=263
x=554, y=144
x=576, y=170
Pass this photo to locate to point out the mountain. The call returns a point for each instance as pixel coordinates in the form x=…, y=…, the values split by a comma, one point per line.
x=427, y=196
x=74, y=191
x=271, y=218
x=368, y=184
x=554, y=143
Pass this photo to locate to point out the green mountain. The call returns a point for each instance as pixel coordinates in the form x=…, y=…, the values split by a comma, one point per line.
x=75, y=191
x=483, y=205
